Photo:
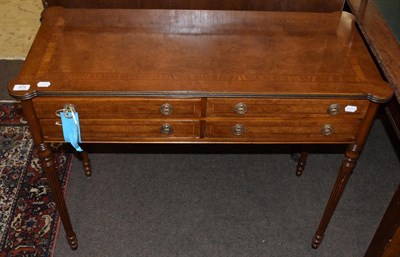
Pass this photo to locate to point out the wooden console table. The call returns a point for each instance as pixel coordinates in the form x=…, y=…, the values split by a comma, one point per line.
x=191, y=76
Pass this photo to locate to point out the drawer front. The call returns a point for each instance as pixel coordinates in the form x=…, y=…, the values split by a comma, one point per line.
x=128, y=119
x=285, y=108
x=137, y=130
x=282, y=130
x=119, y=107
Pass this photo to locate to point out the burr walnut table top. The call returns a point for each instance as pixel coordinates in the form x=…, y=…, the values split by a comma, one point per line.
x=200, y=53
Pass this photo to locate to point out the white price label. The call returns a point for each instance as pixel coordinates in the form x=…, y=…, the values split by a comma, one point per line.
x=350, y=108
x=21, y=87
x=43, y=84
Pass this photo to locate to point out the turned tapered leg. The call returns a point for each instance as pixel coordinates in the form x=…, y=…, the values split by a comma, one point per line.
x=346, y=169
x=47, y=162
x=87, y=168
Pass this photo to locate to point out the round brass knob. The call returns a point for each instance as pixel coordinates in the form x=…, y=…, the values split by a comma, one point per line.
x=333, y=109
x=166, y=109
x=240, y=108
x=166, y=129
x=327, y=130
x=238, y=129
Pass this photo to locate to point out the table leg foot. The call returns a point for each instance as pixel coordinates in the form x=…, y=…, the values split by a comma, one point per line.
x=316, y=241
x=72, y=241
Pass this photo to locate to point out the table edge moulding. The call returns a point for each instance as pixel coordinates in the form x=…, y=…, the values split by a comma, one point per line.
x=198, y=76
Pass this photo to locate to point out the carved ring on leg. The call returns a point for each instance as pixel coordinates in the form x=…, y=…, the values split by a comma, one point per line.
x=301, y=163
x=72, y=241
x=316, y=241
x=87, y=168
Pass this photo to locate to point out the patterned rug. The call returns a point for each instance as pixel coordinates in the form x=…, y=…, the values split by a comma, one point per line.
x=28, y=220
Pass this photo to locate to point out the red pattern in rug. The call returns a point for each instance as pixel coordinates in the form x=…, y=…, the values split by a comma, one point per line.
x=28, y=218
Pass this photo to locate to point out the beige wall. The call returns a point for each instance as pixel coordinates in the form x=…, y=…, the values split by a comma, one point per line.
x=19, y=22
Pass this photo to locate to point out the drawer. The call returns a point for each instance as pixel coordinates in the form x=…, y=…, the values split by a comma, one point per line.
x=137, y=130
x=287, y=108
x=282, y=130
x=119, y=107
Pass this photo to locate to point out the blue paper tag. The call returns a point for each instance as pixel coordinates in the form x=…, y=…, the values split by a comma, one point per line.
x=71, y=129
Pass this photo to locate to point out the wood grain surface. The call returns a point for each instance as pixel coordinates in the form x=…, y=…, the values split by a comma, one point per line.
x=258, y=5
x=200, y=54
